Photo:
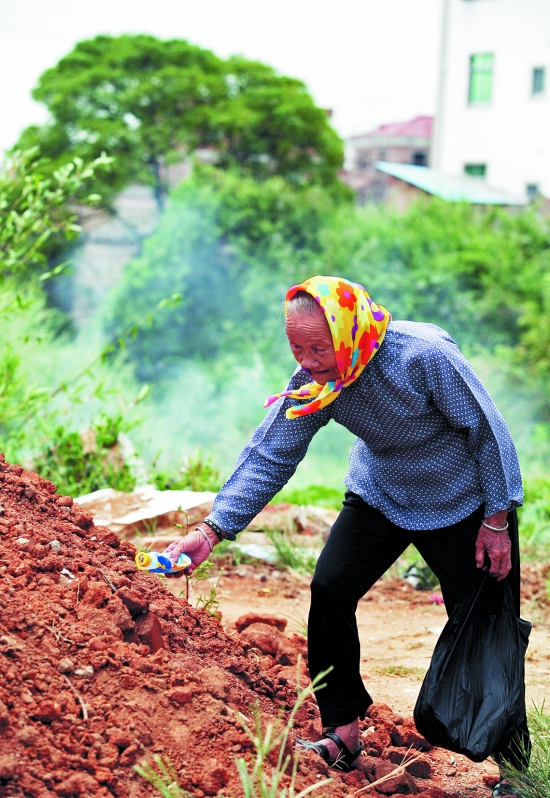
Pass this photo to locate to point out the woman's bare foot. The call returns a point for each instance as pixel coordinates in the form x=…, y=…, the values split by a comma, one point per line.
x=342, y=752
x=349, y=734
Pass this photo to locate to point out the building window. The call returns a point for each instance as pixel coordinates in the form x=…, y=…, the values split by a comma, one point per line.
x=539, y=74
x=420, y=158
x=532, y=191
x=363, y=160
x=476, y=169
x=481, y=78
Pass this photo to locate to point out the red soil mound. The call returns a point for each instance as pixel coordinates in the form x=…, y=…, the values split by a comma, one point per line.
x=101, y=667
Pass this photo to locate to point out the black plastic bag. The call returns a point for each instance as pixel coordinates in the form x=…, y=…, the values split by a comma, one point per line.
x=473, y=695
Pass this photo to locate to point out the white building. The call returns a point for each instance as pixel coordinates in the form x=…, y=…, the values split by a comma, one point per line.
x=493, y=115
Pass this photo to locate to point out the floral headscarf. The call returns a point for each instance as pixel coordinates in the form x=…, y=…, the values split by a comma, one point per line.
x=357, y=326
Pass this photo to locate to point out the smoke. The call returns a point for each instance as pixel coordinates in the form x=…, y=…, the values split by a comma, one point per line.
x=197, y=410
x=519, y=402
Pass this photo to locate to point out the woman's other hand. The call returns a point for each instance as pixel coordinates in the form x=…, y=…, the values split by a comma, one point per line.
x=496, y=545
x=198, y=545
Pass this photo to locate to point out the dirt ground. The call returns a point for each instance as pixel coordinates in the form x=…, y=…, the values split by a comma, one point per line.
x=102, y=668
x=398, y=628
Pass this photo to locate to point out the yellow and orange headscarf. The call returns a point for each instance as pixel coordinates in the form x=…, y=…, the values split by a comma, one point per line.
x=357, y=326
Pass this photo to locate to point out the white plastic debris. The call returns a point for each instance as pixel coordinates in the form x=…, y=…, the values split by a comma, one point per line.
x=257, y=551
x=86, y=673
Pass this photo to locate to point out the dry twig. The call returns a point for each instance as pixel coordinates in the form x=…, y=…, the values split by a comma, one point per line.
x=58, y=636
x=399, y=770
x=107, y=580
x=78, y=697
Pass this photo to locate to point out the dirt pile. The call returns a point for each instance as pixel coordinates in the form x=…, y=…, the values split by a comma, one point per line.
x=101, y=667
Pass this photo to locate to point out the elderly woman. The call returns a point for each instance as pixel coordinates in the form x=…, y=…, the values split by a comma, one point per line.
x=433, y=465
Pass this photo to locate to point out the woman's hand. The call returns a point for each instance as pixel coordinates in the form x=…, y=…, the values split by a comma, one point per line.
x=496, y=545
x=197, y=545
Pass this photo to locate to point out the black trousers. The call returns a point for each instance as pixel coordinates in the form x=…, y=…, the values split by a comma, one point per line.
x=362, y=545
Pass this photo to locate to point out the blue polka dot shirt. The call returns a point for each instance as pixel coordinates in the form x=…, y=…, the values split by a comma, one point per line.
x=431, y=445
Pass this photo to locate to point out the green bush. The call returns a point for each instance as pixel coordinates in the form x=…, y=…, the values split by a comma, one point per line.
x=232, y=246
x=476, y=272
x=78, y=466
x=197, y=473
x=318, y=495
x=534, y=516
x=289, y=555
x=38, y=363
x=34, y=208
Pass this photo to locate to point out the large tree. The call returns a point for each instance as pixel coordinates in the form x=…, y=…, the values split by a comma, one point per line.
x=147, y=101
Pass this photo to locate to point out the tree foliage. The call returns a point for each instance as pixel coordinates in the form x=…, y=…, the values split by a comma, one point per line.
x=34, y=207
x=147, y=102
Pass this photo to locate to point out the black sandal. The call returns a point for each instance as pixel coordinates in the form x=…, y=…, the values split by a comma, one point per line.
x=505, y=788
x=343, y=760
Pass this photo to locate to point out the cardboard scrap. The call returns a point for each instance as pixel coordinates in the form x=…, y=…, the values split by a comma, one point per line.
x=128, y=514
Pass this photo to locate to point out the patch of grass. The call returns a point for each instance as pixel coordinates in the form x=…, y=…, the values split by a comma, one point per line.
x=298, y=623
x=197, y=473
x=534, y=783
x=274, y=738
x=150, y=526
x=401, y=670
x=164, y=780
x=78, y=466
x=318, y=495
x=291, y=556
x=534, y=518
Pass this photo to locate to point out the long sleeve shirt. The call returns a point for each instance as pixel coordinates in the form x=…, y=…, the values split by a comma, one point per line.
x=431, y=445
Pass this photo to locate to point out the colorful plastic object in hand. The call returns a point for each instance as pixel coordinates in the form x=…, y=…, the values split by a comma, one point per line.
x=159, y=564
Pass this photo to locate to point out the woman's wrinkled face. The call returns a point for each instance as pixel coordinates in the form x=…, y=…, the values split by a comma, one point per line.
x=311, y=344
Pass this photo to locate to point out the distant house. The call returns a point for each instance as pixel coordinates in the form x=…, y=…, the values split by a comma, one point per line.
x=401, y=143
x=406, y=183
x=493, y=111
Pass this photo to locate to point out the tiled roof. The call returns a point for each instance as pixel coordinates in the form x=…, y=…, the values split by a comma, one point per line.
x=419, y=127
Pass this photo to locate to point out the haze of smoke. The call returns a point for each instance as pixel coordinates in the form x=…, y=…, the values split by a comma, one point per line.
x=194, y=411
x=519, y=407
x=47, y=360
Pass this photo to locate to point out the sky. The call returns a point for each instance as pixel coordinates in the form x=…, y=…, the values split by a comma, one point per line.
x=369, y=61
